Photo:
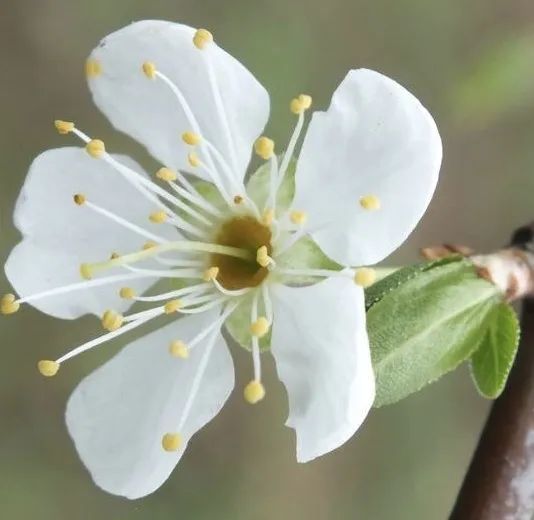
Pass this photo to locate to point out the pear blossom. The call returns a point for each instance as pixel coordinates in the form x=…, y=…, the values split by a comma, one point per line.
x=100, y=235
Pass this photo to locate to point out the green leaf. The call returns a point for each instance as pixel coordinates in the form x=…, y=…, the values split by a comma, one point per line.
x=259, y=183
x=493, y=360
x=426, y=327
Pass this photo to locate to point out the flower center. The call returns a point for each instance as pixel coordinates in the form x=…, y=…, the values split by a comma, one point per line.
x=245, y=233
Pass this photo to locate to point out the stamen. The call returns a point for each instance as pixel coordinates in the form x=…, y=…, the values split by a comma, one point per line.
x=96, y=148
x=112, y=320
x=179, y=349
x=202, y=38
x=370, y=202
x=158, y=217
x=254, y=392
x=221, y=110
x=48, y=368
x=273, y=183
x=9, y=304
x=192, y=196
x=298, y=217
x=80, y=286
x=93, y=68
x=181, y=245
x=149, y=70
x=172, y=306
x=127, y=293
x=171, y=442
x=238, y=199
x=262, y=257
x=264, y=147
x=260, y=327
x=210, y=274
x=213, y=302
x=365, y=276
x=192, y=290
x=63, y=127
x=103, y=339
x=231, y=292
x=191, y=138
x=291, y=147
x=193, y=160
x=210, y=168
x=165, y=174
x=81, y=200
x=214, y=329
x=86, y=272
x=267, y=303
x=300, y=104
x=143, y=185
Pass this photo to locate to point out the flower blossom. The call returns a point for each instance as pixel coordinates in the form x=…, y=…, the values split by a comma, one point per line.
x=279, y=257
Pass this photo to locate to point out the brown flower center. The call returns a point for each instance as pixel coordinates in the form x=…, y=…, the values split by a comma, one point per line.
x=245, y=233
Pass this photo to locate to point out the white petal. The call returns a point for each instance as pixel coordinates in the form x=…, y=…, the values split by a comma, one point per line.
x=375, y=139
x=320, y=345
x=58, y=235
x=118, y=414
x=148, y=111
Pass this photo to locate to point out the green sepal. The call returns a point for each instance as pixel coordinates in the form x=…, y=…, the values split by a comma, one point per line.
x=427, y=326
x=492, y=361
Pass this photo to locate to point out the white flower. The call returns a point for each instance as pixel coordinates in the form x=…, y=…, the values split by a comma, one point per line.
x=367, y=170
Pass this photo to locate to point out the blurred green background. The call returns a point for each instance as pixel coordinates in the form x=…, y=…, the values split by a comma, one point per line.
x=469, y=62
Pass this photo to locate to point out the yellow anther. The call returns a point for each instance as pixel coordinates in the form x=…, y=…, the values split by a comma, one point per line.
x=93, y=68
x=112, y=320
x=191, y=138
x=149, y=69
x=114, y=256
x=193, y=160
x=9, y=304
x=260, y=327
x=79, y=199
x=127, y=293
x=370, y=202
x=202, y=38
x=268, y=217
x=158, y=217
x=172, y=306
x=300, y=104
x=238, y=199
x=365, y=276
x=149, y=245
x=262, y=256
x=171, y=441
x=298, y=217
x=264, y=147
x=48, y=368
x=95, y=148
x=210, y=274
x=179, y=349
x=63, y=127
x=86, y=271
x=165, y=174
x=254, y=392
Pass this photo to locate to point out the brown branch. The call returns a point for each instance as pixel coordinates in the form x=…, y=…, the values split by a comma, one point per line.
x=499, y=483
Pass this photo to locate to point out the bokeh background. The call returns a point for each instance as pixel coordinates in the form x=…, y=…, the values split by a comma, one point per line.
x=471, y=63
